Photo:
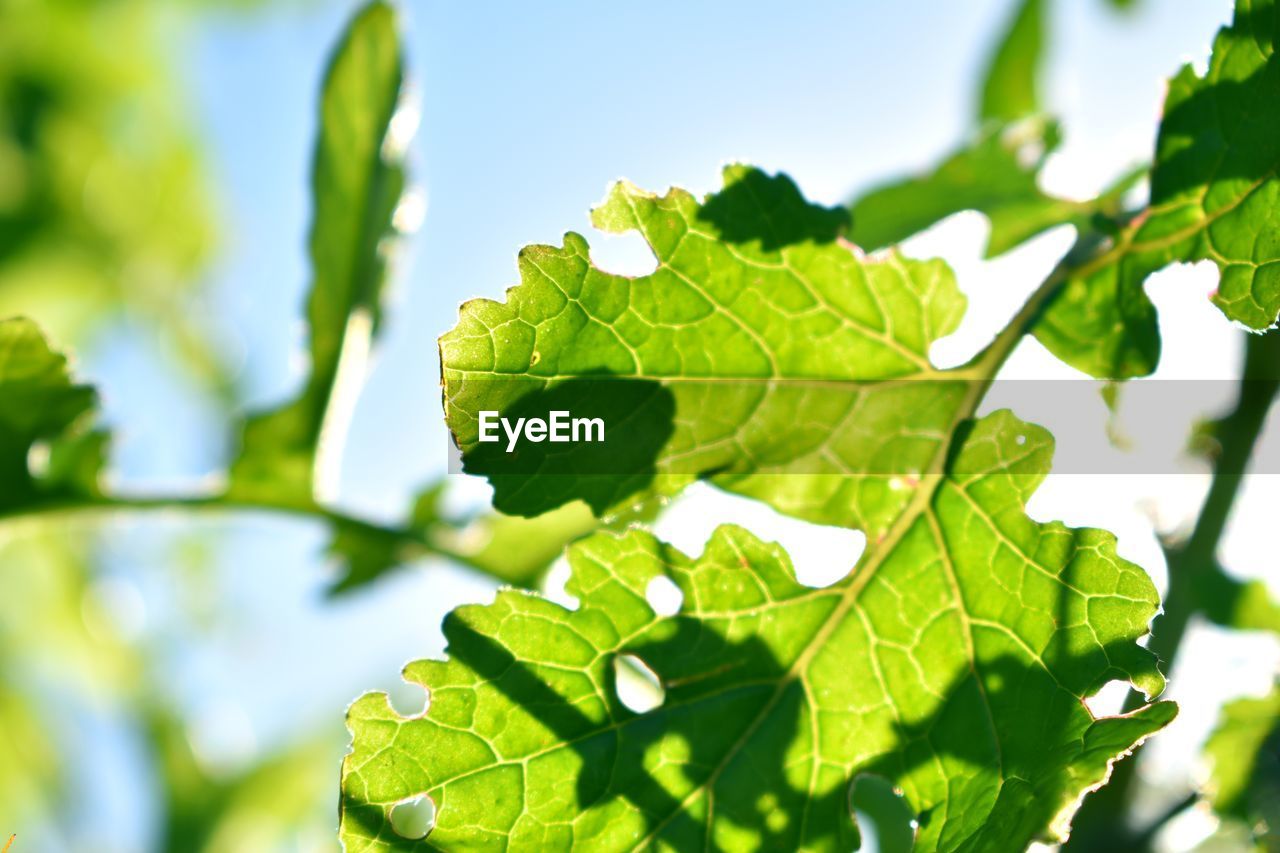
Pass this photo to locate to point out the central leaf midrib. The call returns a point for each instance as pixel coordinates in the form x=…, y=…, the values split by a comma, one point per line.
x=856, y=583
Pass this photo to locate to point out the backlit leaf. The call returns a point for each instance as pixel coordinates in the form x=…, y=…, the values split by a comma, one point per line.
x=1214, y=194
x=952, y=661
x=996, y=174
x=763, y=348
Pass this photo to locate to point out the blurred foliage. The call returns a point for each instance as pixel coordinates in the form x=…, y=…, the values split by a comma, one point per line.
x=996, y=171
x=357, y=180
x=105, y=207
x=46, y=651
x=103, y=200
x=1244, y=752
x=279, y=803
x=71, y=653
x=38, y=401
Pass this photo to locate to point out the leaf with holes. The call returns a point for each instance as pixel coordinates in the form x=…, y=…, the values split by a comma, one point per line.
x=763, y=353
x=1214, y=193
x=954, y=661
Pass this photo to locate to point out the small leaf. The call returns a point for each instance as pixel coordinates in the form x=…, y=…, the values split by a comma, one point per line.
x=357, y=181
x=517, y=550
x=365, y=552
x=1011, y=86
x=513, y=550
x=952, y=661
x=996, y=174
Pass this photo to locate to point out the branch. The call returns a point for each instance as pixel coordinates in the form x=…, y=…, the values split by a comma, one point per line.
x=417, y=541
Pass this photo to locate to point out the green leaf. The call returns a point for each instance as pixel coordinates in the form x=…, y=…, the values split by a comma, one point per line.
x=1213, y=197
x=513, y=550
x=996, y=174
x=1233, y=603
x=1244, y=752
x=38, y=401
x=952, y=661
x=99, y=213
x=1010, y=87
x=357, y=180
x=1100, y=325
x=516, y=550
x=762, y=348
x=365, y=552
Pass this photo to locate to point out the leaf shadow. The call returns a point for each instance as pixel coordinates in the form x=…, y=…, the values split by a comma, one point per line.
x=732, y=716
x=770, y=209
x=1204, y=149
x=637, y=416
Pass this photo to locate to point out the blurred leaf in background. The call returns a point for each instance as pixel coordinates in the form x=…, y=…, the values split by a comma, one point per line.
x=106, y=210
x=1244, y=754
x=357, y=182
x=61, y=652
x=102, y=198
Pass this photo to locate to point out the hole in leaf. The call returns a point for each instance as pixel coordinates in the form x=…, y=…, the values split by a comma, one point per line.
x=829, y=556
x=886, y=821
x=664, y=596
x=637, y=686
x=1108, y=701
x=821, y=554
x=555, y=582
x=38, y=458
x=1020, y=440
x=413, y=818
x=409, y=699
x=623, y=254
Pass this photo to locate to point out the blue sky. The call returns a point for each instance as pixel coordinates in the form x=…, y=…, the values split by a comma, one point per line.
x=528, y=112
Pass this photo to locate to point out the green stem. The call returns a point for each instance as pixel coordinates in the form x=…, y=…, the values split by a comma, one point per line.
x=418, y=541
x=1100, y=823
x=1238, y=435
x=427, y=541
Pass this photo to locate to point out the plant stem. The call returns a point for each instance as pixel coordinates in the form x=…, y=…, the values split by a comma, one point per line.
x=1100, y=823
x=417, y=541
